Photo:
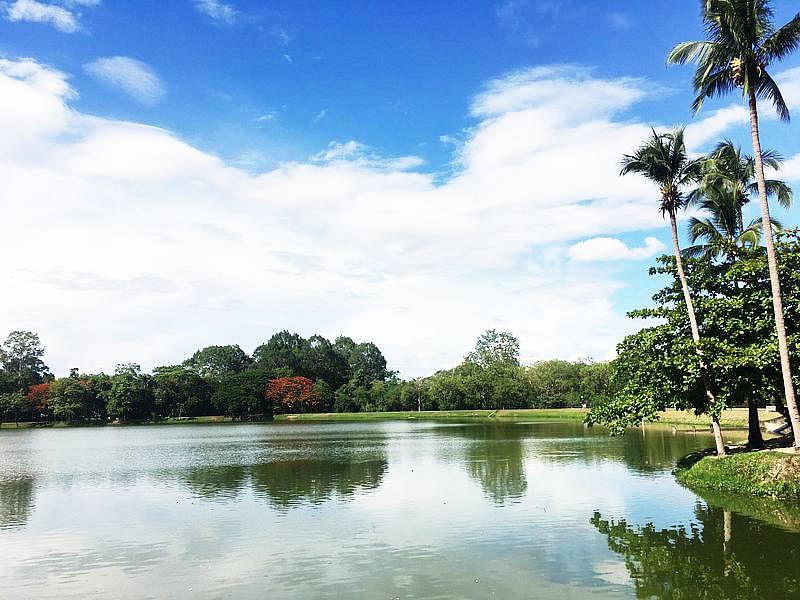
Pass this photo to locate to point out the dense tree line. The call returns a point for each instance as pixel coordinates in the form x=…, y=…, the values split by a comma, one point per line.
x=289, y=374
x=285, y=374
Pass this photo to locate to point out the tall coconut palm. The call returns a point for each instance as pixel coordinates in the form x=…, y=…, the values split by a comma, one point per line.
x=663, y=160
x=742, y=44
x=721, y=234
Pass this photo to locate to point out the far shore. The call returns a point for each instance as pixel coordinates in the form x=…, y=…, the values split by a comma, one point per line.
x=735, y=418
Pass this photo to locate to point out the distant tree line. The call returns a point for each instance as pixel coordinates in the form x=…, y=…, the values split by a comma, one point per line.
x=288, y=374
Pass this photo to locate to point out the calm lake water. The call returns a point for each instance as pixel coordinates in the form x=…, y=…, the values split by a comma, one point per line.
x=377, y=510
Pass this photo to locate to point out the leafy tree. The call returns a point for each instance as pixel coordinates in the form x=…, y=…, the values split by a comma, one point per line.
x=664, y=161
x=555, y=383
x=320, y=360
x=13, y=403
x=21, y=356
x=74, y=398
x=131, y=393
x=180, y=391
x=326, y=395
x=742, y=44
x=283, y=351
x=215, y=362
x=495, y=347
x=241, y=395
x=365, y=360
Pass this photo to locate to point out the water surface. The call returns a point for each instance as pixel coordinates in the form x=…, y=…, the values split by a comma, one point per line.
x=377, y=510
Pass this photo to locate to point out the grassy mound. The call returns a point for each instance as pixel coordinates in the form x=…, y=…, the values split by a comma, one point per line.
x=767, y=474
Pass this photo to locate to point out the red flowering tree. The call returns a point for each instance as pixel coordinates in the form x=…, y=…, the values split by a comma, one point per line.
x=38, y=398
x=292, y=395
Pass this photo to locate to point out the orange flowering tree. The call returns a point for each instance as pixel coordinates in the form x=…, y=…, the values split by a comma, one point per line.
x=291, y=395
x=39, y=398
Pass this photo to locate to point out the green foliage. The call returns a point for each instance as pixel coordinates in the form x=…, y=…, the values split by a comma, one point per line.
x=21, y=358
x=180, y=392
x=656, y=368
x=77, y=398
x=131, y=393
x=215, y=362
x=241, y=395
x=495, y=348
x=12, y=403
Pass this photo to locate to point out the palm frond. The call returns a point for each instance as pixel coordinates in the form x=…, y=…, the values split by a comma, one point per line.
x=782, y=42
x=689, y=52
x=767, y=88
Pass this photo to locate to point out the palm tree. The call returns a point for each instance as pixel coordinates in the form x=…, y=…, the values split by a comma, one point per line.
x=742, y=43
x=722, y=234
x=727, y=183
x=664, y=161
x=737, y=170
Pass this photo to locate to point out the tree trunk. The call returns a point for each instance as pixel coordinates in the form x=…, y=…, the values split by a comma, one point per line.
x=774, y=278
x=754, y=437
x=687, y=297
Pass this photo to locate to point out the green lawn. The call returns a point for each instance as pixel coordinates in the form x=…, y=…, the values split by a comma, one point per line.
x=731, y=419
x=768, y=474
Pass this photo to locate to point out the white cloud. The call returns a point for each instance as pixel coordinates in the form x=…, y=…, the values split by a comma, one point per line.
x=271, y=115
x=554, y=87
x=699, y=133
x=320, y=115
x=217, y=11
x=131, y=76
x=602, y=249
x=790, y=170
x=40, y=12
x=355, y=153
x=148, y=248
x=619, y=20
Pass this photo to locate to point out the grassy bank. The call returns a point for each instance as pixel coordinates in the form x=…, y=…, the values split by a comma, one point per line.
x=769, y=474
x=731, y=419
x=576, y=414
x=735, y=418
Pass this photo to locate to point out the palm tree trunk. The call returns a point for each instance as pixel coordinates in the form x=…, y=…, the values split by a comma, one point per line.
x=687, y=297
x=774, y=278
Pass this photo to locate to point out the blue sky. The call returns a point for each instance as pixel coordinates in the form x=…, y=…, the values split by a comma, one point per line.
x=431, y=117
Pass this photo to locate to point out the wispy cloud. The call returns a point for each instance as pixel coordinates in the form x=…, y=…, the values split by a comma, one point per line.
x=288, y=58
x=219, y=12
x=320, y=115
x=269, y=116
x=59, y=16
x=283, y=35
x=130, y=76
x=619, y=20
x=524, y=19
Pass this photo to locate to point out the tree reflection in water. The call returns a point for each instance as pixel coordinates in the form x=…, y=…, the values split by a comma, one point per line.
x=494, y=458
x=294, y=479
x=724, y=556
x=16, y=501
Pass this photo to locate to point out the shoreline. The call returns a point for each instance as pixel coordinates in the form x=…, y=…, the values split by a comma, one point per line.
x=731, y=419
x=770, y=473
